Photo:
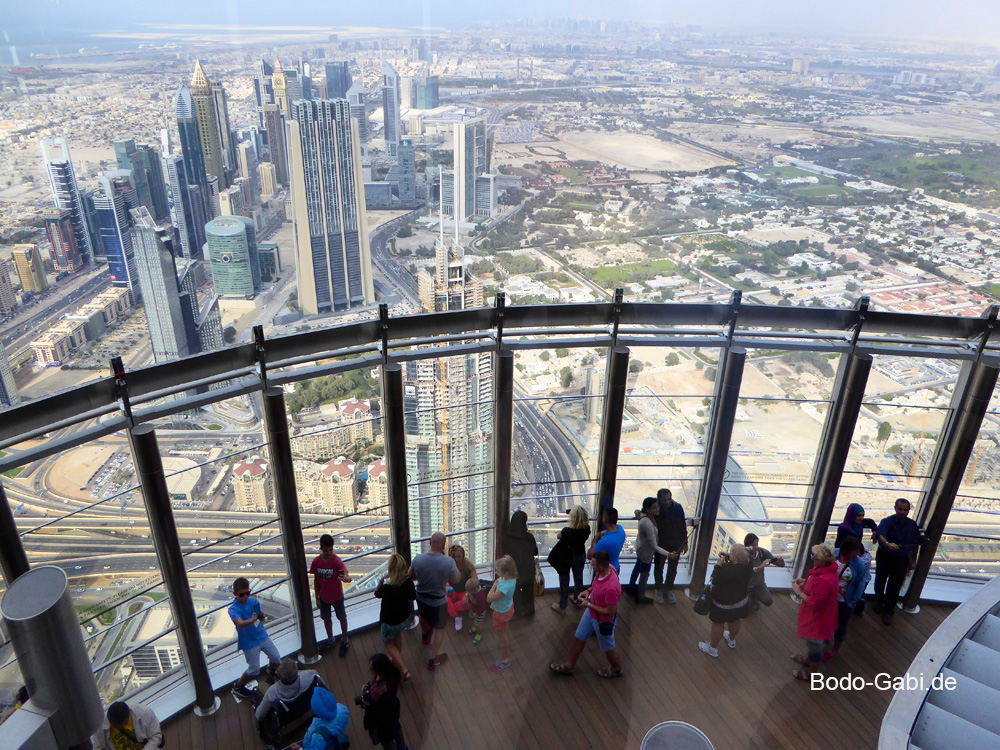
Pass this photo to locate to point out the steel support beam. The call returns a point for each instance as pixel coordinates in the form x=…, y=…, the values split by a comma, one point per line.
x=13, y=560
x=286, y=500
x=720, y=432
x=163, y=532
x=503, y=436
x=395, y=456
x=616, y=380
x=831, y=455
x=969, y=402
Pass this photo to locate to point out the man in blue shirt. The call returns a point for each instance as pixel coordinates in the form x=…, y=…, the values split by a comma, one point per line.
x=899, y=540
x=610, y=539
x=251, y=638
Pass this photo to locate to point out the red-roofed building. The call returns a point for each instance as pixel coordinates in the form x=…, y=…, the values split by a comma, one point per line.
x=337, y=487
x=252, y=486
x=378, y=488
x=358, y=415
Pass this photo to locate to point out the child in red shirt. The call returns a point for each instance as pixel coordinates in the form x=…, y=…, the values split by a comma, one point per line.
x=475, y=600
x=331, y=575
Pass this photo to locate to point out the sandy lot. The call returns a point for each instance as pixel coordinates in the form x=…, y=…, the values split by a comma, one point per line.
x=640, y=152
x=74, y=469
x=931, y=125
x=768, y=236
x=751, y=142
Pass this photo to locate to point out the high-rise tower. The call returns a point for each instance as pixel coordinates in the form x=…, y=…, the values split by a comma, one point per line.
x=277, y=151
x=204, y=102
x=232, y=250
x=338, y=79
x=407, y=172
x=8, y=301
x=188, y=216
x=390, y=108
x=8, y=387
x=247, y=161
x=28, y=263
x=333, y=260
x=470, y=161
x=157, y=277
x=279, y=82
x=115, y=199
x=356, y=100
x=62, y=182
x=62, y=238
x=263, y=87
x=147, y=174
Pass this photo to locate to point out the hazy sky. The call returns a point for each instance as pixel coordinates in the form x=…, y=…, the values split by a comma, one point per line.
x=975, y=18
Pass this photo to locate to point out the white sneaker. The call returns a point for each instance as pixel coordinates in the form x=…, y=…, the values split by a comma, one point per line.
x=458, y=623
x=671, y=597
x=658, y=596
x=706, y=649
x=730, y=641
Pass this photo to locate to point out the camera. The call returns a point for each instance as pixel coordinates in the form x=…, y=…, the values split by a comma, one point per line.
x=364, y=698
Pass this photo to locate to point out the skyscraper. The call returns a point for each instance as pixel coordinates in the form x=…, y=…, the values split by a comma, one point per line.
x=29, y=267
x=263, y=87
x=338, y=79
x=231, y=202
x=194, y=157
x=247, y=158
x=279, y=82
x=407, y=172
x=8, y=301
x=470, y=161
x=276, y=148
x=204, y=102
x=147, y=174
x=356, y=100
x=184, y=217
x=427, y=93
x=116, y=198
x=333, y=261
x=8, y=388
x=268, y=178
x=157, y=277
x=62, y=182
x=232, y=250
x=62, y=238
x=227, y=139
x=390, y=108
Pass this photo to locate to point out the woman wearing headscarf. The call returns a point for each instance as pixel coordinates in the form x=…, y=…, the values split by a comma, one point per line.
x=519, y=543
x=854, y=525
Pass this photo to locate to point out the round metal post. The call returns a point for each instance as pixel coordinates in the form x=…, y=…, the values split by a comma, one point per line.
x=611, y=430
x=831, y=456
x=286, y=500
x=163, y=531
x=13, y=560
x=727, y=399
x=503, y=436
x=395, y=456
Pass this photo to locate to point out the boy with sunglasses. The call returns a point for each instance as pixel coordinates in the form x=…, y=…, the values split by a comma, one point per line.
x=251, y=638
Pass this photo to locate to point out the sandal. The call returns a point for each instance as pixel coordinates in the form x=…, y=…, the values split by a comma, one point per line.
x=557, y=608
x=800, y=659
x=801, y=674
x=608, y=672
x=560, y=669
x=407, y=676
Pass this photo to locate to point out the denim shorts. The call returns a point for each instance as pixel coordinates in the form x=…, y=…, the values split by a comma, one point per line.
x=392, y=632
x=589, y=626
x=253, y=656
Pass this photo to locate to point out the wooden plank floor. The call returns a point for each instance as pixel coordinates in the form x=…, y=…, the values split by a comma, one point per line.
x=746, y=698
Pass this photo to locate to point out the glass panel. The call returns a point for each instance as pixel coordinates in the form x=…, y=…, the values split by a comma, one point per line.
x=901, y=417
x=448, y=417
x=558, y=411
x=11, y=681
x=128, y=654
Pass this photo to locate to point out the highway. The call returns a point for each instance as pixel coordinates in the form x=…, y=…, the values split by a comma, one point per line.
x=399, y=279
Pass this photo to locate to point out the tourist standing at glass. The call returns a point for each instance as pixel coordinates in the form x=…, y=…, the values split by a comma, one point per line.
x=501, y=599
x=456, y=593
x=760, y=558
x=610, y=539
x=854, y=525
x=251, y=638
x=645, y=548
x=433, y=571
x=570, y=555
x=520, y=544
x=730, y=595
x=397, y=593
x=817, y=621
x=671, y=530
x=330, y=574
x=899, y=540
x=851, y=587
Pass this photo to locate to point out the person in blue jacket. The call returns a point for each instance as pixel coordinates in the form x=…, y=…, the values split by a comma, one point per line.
x=326, y=732
x=851, y=579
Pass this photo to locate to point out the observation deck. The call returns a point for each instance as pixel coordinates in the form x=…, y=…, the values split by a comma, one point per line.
x=768, y=420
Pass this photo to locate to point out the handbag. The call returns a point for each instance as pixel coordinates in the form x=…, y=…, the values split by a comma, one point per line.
x=607, y=627
x=539, y=580
x=559, y=557
x=703, y=605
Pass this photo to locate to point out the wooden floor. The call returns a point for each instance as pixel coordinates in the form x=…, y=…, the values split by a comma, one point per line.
x=746, y=698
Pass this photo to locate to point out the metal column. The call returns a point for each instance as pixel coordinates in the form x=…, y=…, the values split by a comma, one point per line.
x=13, y=560
x=727, y=398
x=611, y=430
x=395, y=456
x=163, y=531
x=503, y=436
x=286, y=501
x=831, y=455
x=951, y=457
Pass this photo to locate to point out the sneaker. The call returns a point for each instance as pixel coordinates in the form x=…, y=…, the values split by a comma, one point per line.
x=477, y=639
x=658, y=596
x=241, y=693
x=731, y=641
x=671, y=597
x=473, y=630
x=706, y=649
x=437, y=661
x=425, y=638
x=413, y=623
x=458, y=624
x=644, y=600
x=499, y=665
x=344, y=645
